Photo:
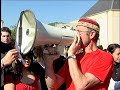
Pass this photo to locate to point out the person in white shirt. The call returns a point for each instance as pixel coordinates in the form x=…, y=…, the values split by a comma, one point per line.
x=114, y=49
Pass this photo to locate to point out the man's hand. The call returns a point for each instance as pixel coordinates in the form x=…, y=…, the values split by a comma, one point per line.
x=52, y=55
x=11, y=56
x=76, y=45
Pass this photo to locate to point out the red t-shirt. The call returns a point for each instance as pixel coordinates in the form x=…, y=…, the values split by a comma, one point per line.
x=98, y=63
x=22, y=86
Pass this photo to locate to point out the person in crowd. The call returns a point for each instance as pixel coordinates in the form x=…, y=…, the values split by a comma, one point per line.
x=8, y=53
x=39, y=66
x=114, y=49
x=66, y=51
x=89, y=70
x=100, y=47
x=59, y=62
x=25, y=77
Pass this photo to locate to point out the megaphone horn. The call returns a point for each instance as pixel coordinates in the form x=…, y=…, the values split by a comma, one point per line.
x=34, y=33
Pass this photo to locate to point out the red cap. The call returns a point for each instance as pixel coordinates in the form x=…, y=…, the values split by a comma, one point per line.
x=87, y=22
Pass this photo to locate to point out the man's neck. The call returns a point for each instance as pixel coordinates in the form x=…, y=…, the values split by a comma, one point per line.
x=90, y=48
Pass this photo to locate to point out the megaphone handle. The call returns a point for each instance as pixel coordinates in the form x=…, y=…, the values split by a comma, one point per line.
x=20, y=57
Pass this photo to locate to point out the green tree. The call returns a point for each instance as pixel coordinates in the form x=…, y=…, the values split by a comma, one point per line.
x=13, y=30
x=54, y=23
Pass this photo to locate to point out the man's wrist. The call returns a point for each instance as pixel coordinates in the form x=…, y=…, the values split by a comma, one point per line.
x=71, y=56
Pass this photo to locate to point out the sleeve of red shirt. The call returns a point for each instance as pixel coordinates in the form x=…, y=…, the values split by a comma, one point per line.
x=103, y=67
x=8, y=79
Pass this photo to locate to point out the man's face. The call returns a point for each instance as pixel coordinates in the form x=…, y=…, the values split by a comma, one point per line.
x=84, y=34
x=116, y=55
x=5, y=37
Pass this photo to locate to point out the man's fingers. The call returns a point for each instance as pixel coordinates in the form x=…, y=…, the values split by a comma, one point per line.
x=75, y=38
x=14, y=51
x=78, y=39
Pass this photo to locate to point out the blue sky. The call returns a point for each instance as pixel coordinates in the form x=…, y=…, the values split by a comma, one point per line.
x=45, y=11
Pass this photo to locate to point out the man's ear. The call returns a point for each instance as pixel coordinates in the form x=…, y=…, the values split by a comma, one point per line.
x=92, y=34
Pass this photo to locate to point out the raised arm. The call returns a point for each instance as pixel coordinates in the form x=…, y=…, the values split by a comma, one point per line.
x=53, y=80
x=9, y=58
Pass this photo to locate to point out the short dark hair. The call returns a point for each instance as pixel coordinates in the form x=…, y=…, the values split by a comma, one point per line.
x=112, y=47
x=100, y=47
x=6, y=29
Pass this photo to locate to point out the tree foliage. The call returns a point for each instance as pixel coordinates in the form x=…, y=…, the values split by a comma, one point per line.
x=54, y=23
x=13, y=30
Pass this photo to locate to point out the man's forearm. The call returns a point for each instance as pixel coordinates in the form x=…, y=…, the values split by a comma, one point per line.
x=50, y=76
x=77, y=76
x=53, y=80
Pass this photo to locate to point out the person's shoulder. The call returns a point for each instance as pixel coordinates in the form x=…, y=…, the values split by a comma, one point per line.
x=8, y=79
x=106, y=55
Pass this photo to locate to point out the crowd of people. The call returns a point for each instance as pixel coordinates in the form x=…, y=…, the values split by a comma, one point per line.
x=85, y=65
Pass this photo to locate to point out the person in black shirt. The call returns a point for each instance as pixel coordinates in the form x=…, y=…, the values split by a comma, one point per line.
x=8, y=53
x=38, y=65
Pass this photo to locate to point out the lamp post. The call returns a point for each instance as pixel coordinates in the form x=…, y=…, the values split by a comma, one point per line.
x=2, y=23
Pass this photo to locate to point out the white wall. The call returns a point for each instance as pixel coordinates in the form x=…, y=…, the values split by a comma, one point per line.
x=109, y=22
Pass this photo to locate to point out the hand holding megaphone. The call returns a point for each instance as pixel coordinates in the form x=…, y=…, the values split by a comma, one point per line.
x=51, y=49
x=20, y=57
x=52, y=54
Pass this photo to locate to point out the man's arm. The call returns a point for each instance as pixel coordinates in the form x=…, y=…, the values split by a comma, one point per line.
x=9, y=83
x=9, y=58
x=9, y=86
x=53, y=80
x=81, y=81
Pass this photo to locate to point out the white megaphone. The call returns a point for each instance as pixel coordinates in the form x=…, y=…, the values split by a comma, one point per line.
x=31, y=33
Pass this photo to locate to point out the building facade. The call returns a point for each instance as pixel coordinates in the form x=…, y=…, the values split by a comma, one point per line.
x=107, y=14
